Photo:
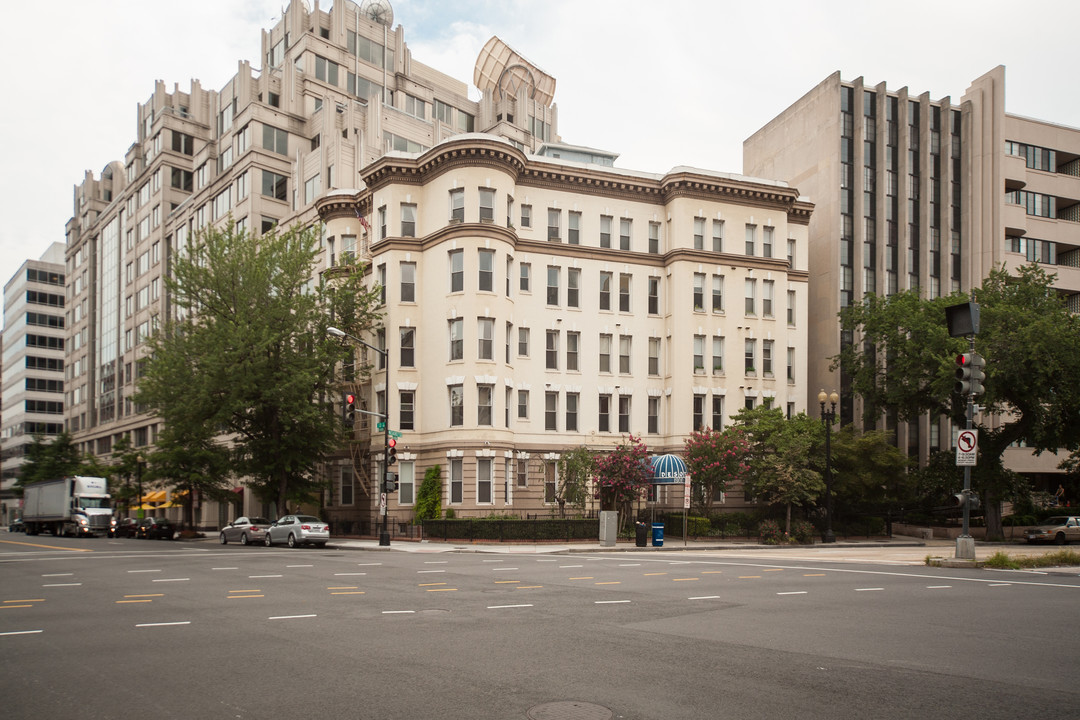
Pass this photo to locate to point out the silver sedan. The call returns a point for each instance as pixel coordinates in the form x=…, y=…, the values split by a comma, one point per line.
x=245, y=530
x=297, y=530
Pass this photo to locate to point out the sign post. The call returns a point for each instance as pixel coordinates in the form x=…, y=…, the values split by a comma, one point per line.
x=967, y=447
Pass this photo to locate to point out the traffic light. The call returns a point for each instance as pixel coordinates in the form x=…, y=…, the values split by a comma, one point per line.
x=350, y=408
x=390, y=485
x=391, y=451
x=969, y=374
x=957, y=501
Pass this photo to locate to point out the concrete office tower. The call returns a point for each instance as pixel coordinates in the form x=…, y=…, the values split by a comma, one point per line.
x=340, y=107
x=912, y=192
x=32, y=390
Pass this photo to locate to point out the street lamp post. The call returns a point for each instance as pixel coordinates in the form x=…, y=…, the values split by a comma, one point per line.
x=384, y=533
x=828, y=417
x=138, y=481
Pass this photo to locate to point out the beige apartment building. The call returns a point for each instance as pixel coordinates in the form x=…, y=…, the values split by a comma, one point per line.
x=550, y=299
x=912, y=192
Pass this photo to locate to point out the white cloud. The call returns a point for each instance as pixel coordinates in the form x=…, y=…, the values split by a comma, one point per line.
x=679, y=82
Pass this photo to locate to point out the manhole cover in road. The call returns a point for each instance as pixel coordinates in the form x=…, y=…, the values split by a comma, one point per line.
x=569, y=710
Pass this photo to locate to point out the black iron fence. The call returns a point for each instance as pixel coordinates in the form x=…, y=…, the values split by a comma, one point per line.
x=512, y=530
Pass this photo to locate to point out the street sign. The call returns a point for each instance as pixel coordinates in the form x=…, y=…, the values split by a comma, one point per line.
x=967, y=446
x=686, y=492
x=392, y=433
x=381, y=426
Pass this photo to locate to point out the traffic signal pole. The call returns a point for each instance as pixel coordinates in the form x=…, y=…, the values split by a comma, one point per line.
x=965, y=544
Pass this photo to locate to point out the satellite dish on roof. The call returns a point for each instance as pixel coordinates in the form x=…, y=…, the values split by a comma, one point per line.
x=378, y=11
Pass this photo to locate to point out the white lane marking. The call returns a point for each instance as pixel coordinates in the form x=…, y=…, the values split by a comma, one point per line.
x=421, y=572
x=502, y=569
x=61, y=585
x=58, y=575
x=436, y=562
x=367, y=564
x=356, y=573
x=164, y=624
x=502, y=607
x=609, y=602
x=938, y=587
x=398, y=612
x=295, y=566
x=22, y=632
x=543, y=560
x=229, y=568
x=492, y=561
x=793, y=592
x=262, y=576
x=999, y=585
x=629, y=564
x=289, y=617
x=867, y=589
x=705, y=597
x=170, y=579
x=142, y=571
x=563, y=567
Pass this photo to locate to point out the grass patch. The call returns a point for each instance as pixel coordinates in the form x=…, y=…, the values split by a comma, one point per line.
x=1055, y=559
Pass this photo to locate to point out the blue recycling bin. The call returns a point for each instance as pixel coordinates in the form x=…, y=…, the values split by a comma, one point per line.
x=658, y=534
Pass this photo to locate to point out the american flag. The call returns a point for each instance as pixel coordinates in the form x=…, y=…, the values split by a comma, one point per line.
x=363, y=220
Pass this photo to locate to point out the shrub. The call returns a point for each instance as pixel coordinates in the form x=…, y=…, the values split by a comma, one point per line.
x=802, y=532
x=449, y=513
x=770, y=533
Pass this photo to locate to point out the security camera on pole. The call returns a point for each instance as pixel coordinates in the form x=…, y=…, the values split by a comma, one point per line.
x=963, y=321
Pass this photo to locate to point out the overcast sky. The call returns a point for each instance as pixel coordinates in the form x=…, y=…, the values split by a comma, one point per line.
x=661, y=82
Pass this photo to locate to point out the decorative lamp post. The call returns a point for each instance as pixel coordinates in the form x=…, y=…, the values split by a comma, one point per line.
x=384, y=533
x=828, y=417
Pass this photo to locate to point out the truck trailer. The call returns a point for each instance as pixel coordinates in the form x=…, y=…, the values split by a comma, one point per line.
x=77, y=506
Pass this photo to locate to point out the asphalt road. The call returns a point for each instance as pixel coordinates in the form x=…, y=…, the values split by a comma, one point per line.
x=98, y=628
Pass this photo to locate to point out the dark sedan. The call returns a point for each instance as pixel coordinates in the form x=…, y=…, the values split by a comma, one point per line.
x=124, y=527
x=155, y=528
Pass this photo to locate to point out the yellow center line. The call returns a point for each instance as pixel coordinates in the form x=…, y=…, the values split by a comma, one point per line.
x=26, y=600
x=350, y=592
x=503, y=582
x=774, y=569
x=242, y=597
x=429, y=584
x=582, y=578
x=749, y=577
x=442, y=590
x=712, y=572
x=242, y=591
x=649, y=574
x=813, y=574
x=48, y=547
x=610, y=582
x=528, y=587
x=9, y=607
x=122, y=602
x=684, y=579
x=344, y=587
x=147, y=595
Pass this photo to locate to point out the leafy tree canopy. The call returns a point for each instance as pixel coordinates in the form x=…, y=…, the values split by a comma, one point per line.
x=715, y=458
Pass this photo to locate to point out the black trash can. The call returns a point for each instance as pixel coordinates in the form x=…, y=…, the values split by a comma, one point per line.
x=658, y=534
x=641, y=534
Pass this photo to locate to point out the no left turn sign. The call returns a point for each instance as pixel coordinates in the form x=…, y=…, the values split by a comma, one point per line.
x=967, y=445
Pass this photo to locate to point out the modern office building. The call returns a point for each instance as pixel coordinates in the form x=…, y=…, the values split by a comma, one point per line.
x=912, y=192
x=506, y=254
x=32, y=389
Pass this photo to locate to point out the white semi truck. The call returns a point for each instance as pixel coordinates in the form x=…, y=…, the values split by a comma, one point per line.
x=69, y=506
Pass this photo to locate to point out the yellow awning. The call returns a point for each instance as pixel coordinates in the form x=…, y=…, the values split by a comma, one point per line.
x=154, y=496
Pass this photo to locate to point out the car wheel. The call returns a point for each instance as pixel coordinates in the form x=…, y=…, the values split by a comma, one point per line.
x=224, y=540
x=266, y=540
x=292, y=541
x=1060, y=539
x=243, y=539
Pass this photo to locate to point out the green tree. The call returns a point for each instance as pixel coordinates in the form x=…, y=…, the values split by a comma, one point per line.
x=870, y=474
x=1029, y=340
x=715, y=458
x=429, y=496
x=46, y=460
x=248, y=355
x=124, y=467
x=575, y=469
x=780, y=457
x=622, y=476
x=190, y=464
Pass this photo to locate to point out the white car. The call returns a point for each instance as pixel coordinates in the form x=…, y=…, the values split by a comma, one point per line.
x=245, y=530
x=297, y=530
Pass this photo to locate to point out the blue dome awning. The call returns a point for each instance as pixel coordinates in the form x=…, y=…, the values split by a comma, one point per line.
x=668, y=469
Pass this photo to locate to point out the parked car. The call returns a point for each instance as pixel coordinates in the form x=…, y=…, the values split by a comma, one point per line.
x=297, y=530
x=123, y=527
x=245, y=530
x=158, y=528
x=1060, y=529
x=17, y=526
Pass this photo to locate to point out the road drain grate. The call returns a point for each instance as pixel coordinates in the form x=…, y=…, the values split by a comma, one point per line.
x=569, y=710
